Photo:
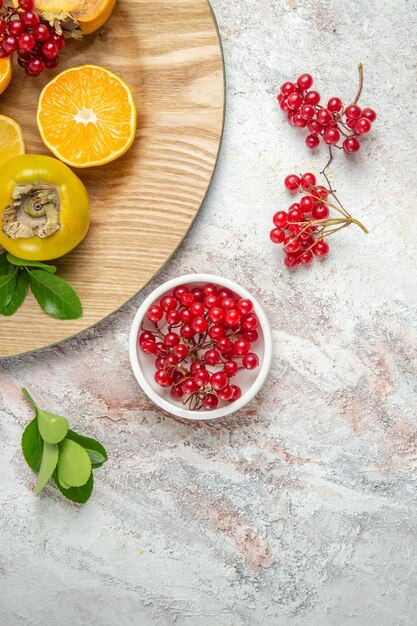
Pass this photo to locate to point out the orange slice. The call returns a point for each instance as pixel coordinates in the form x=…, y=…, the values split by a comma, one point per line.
x=5, y=73
x=11, y=139
x=87, y=116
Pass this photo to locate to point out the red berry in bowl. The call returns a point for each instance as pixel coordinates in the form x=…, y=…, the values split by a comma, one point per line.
x=168, y=303
x=219, y=380
x=210, y=401
x=212, y=357
x=155, y=313
x=250, y=361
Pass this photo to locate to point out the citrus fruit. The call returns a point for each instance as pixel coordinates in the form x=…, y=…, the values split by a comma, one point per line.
x=5, y=73
x=11, y=139
x=87, y=116
x=91, y=14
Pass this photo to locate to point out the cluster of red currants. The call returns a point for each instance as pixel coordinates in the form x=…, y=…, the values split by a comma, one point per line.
x=303, y=228
x=334, y=123
x=201, y=338
x=24, y=31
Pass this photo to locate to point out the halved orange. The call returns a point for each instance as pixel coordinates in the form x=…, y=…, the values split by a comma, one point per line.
x=87, y=116
x=5, y=73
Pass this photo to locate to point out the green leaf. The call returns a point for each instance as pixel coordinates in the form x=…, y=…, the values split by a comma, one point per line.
x=76, y=494
x=95, y=450
x=54, y=295
x=32, y=445
x=19, y=295
x=53, y=428
x=5, y=267
x=7, y=287
x=48, y=465
x=14, y=260
x=74, y=465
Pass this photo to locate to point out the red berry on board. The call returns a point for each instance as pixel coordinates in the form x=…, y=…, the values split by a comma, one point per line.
x=10, y=44
x=42, y=33
x=292, y=182
x=353, y=111
x=27, y=42
x=299, y=121
x=30, y=19
x=304, y=82
x=321, y=192
x=307, y=204
x=15, y=28
x=351, y=144
x=315, y=127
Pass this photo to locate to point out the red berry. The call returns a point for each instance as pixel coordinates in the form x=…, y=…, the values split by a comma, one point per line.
x=27, y=5
x=250, y=361
x=224, y=344
x=154, y=313
x=60, y=42
x=173, y=317
x=189, y=386
x=168, y=303
x=307, y=111
x=230, y=368
x=199, y=325
x=304, y=82
x=219, y=380
x=176, y=391
x=211, y=300
x=210, y=288
x=292, y=182
x=228, y=302
x=308, y=181
x=162, y=378
x=321, y=192
x=334, y=105
x=370, y=114
x=170, y=361
x=197, y=309
x=250, y=322
x=315, y=127
x=148, y=346
x=15, y=28
x=307, y=204
x=161, y=349
x=351, y=144
x=320, y=212
x=10, y=44
x=353, y=112
x=226, y=393
x=3, y=27
x=216, y=314
x=30, y=19
x=216, y=332
x=280, y=219
x=180, y=351
x=36, y=66
x=283, y=104
x=287, y=88
x=179, y=291
x=295, y=215
x=210, y=401
x=321, y=248
x=251, y=335
x=299, y=121
x=146, y=336
x=312, y=97
x=42, y=34
x=237, y=393
x=294, y=101
x=292, y=245
x=363, y=126
x=324, y=117
x=27, y=42
x=187, y=299
x=202, y=377
x=232, y=317
x=331, y=136
x=291, y=260
x=245, y=306
x=186, y=316
x=187, y=331
x=198, y=294
x=277, y=235
x=171, y=340
x=212, y=357
x=197, y=366
x=306, y=257
x=312, y=141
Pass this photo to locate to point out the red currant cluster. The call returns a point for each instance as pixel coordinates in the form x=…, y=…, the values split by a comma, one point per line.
x=36, y=42
x=303, y=228
x=201, y=339
x=335, y=124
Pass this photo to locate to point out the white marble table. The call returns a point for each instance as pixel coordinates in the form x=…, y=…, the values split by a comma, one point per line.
x=301, y=509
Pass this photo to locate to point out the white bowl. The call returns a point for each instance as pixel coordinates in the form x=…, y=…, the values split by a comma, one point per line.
x=143, y=364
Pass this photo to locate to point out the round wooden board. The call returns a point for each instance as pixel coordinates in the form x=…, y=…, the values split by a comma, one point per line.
x=169, y=52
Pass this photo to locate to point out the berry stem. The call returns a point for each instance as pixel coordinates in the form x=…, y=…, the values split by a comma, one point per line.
x=358, y=93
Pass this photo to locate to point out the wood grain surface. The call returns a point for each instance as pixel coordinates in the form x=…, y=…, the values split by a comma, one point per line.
x=143, y=203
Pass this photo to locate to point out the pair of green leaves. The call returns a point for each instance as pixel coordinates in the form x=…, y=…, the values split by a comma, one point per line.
x=54, y=295
x=54, y=451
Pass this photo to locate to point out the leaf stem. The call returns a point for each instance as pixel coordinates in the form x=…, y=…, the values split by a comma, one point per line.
x=30, y=399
